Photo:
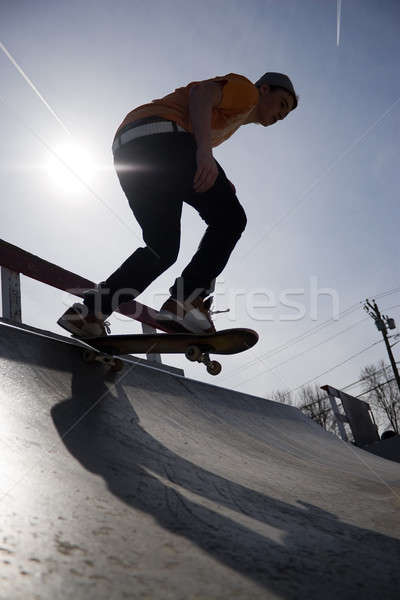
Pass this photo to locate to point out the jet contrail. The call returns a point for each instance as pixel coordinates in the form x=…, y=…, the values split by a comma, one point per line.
x=339, y=12
x=33, y=86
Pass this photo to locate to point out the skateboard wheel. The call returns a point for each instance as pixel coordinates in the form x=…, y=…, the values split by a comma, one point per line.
x=89, y=356
x=214, y=368
x=193, y=353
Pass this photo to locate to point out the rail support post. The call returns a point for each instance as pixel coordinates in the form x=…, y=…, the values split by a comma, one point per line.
x=11, y=295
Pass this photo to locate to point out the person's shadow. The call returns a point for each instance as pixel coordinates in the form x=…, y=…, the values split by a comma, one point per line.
x=316, y=554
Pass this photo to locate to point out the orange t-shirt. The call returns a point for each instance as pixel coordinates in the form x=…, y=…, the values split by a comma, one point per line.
x=239, y=96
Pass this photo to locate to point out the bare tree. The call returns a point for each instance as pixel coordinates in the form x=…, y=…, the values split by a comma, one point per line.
x=283, y=397
x=383, y=393
x=314, y=403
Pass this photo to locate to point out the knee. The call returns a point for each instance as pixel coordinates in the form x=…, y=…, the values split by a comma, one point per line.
x=168, y=260
x=230, y=224
x=242, y=221
x=238, y=222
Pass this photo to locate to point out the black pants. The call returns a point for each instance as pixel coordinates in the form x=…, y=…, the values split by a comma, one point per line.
x=156, y=173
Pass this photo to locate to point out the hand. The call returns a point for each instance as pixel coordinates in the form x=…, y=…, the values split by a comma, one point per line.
x=207, y=171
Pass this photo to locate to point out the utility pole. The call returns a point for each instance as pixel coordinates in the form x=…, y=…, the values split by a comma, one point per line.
x=383, y=323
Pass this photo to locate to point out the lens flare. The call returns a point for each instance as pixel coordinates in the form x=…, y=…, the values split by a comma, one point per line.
x=70, y=168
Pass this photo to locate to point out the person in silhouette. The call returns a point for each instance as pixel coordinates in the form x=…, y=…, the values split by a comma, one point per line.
x=163, y=155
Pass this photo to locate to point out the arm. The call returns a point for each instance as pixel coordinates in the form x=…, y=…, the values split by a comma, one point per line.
x=202, y=99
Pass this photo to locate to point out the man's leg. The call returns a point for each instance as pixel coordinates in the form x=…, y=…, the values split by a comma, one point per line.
x=161, y=233
x=221, y=210
x=156, y=201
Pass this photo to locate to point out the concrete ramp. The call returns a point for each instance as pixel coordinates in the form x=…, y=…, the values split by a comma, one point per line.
x=145, y=485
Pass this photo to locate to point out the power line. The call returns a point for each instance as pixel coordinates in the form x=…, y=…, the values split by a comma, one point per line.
x=359, y=395
x=338, y=365
x=316, y=329
x=321, y=374
x=281, y=364
x=384, y=323
x=295, y=340
x=360, y=380
x=376, y=387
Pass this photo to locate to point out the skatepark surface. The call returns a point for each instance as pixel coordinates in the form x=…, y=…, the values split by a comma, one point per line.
x=145, y=484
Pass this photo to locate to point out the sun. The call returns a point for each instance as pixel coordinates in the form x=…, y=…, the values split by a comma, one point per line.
x=70, y=167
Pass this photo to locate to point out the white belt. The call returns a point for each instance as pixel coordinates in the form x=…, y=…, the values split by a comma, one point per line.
x=147, y=129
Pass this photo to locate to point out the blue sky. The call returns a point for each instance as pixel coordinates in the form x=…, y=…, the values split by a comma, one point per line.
x=320, y=189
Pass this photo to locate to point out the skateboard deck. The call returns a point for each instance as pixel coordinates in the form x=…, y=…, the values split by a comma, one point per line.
x=194, y=347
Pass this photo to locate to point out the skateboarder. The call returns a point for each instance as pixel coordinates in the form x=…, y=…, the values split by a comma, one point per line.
x=163, y=157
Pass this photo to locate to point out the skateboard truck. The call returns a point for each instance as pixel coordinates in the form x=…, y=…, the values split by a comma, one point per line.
x=114, y=364
x=196, y=354
x=193, y=353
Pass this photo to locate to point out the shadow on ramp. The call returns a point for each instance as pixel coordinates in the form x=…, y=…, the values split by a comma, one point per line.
x=291, y=551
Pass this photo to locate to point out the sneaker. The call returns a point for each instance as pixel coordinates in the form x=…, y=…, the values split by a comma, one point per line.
x=184, y=317
x=77, y=321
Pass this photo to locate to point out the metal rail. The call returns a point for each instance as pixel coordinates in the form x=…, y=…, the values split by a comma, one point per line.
x=15, y=261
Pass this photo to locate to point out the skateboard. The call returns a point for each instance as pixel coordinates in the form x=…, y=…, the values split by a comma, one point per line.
x=195, y=347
